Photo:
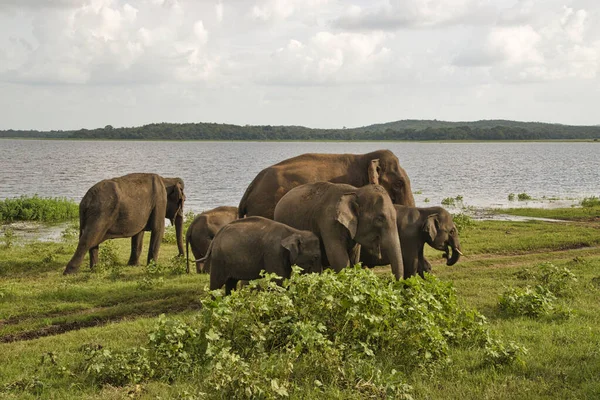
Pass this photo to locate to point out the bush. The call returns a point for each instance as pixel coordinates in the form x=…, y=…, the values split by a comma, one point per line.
x=590, y=202
x=530, y=302
x=462, y=221
x=511, y=197
x=44, y=209
x=8, y=237
x=342, y=330
x=524, y=197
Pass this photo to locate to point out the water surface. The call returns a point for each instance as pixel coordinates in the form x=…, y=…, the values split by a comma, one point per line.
x=217, y=173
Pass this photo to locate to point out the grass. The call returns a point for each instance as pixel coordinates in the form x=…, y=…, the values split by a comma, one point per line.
x=586, y=213
x=42, y=209
x=117, y=306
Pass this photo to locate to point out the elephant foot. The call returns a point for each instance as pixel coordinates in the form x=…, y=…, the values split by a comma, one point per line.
x=70, y=270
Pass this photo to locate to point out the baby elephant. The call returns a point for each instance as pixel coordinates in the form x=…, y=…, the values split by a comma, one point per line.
x=417, y=226
x=242, y=248
x=203, y=229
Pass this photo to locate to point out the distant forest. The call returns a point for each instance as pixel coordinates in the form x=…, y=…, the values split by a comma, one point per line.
x=399, y=130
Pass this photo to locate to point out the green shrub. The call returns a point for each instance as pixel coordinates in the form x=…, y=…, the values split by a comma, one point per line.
x=329, y=329
x=9, y=237
x=590, y=202
x=45, y=209
x=511, y=197
x=530, y=302
x=448, y=201
x=558, y=280
x=462, y=221
x=524, y=197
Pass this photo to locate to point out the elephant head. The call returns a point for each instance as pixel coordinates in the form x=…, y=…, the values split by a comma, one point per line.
x=370, y=217
x=385, y=170
x=175, y=200
x=441, y=233
x=304, y=250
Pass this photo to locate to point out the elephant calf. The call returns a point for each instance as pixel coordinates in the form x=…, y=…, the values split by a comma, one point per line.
x=203, y=229
x=242, y=248
x=417, y=226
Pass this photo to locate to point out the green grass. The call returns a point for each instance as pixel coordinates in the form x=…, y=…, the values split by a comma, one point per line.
x=117, y=306
x=571, y=214
x=43, y=209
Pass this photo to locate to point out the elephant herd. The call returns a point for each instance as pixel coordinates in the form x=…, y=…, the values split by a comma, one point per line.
x=313, y=210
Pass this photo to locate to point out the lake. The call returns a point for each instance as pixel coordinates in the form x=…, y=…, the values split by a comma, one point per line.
x=217, y=173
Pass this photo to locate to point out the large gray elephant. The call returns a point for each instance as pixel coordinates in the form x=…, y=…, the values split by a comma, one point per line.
x=242, y=248
x=417, y=226
x=126, y=207
x=342, y=216
x=379, y=167
x=203, y=229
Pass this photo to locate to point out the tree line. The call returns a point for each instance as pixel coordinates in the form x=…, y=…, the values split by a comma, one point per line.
x=398, y=130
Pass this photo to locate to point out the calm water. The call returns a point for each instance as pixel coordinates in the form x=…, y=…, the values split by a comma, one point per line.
x=217, y=173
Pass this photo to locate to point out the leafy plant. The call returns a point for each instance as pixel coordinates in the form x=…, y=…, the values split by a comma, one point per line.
x=462, y=221
x=524, y=197
x=36, y=208
x=591, y=202
x=448, y=201
x=264, y=343
x=426, y=200
x=511, y=197
x=530, y=302
x=8, y=237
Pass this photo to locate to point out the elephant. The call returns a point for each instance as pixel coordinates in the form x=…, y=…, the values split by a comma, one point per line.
x=343, y=216
x=126, y=207
x=417, y=226
x=203, y=229
x=242, y=248
x=379, y=167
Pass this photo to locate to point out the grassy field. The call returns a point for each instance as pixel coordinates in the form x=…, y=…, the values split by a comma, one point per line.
x=46, y=318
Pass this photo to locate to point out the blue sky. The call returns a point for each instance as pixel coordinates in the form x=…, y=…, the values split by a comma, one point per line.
x=69, y=64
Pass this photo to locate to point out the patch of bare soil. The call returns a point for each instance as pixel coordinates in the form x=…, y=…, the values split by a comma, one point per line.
x=57, y=329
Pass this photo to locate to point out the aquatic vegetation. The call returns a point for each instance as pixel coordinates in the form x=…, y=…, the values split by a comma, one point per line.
x=43, y=209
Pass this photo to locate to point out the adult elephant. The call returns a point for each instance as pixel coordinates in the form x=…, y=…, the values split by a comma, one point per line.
x=417, y=226
x=126, y=207
x=242, y=248
x=341, y=216
x=202, y=231
x=379, y=167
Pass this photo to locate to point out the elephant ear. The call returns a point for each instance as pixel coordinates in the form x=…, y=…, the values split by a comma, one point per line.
x=373, y=172
x=347, y=212
x=430, y=226
x=292, y=244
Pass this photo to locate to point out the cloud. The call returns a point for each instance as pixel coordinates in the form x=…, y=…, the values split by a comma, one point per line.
x=398, y=14
x=107, y=41
x=330, y=59
x=556, y=43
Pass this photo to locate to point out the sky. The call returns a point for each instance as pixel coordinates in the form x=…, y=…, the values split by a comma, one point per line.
x=71, y=64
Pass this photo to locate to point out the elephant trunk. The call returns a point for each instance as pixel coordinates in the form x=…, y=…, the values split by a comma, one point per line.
x=179, y=232
x=456, y=253
x=391, y=251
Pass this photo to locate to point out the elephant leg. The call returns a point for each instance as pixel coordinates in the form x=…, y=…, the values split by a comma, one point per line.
x=137, y=241
x=158, y=230
x=337, y=254
x=88, y=239
x=93, y=256
x=230, y=285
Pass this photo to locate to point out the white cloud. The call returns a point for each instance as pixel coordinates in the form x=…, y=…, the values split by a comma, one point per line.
x=200, y=32
x=397, y=14
x=219, y=11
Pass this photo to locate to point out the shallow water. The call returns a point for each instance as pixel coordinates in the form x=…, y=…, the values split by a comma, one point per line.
x=217, y=173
